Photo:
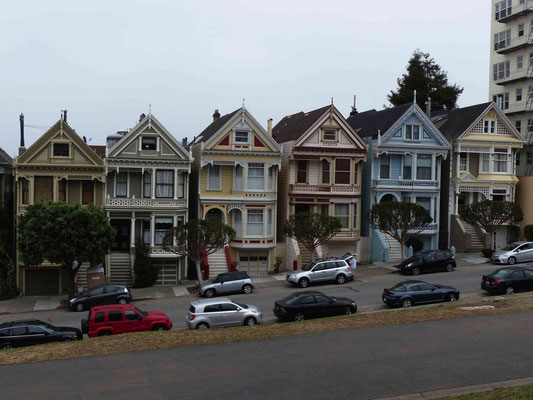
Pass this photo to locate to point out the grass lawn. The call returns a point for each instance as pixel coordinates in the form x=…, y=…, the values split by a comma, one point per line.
x=512, y=393
x=179, y=338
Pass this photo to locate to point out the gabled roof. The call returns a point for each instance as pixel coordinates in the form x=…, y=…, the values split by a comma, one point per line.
x=453, y=123
x=214, y=127
x=293, y=126
x=368, y=123
x=5, y=158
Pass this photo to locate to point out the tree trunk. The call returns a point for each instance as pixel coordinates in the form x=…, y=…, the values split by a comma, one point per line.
x=71, y=274
x=402, y=243
x=199, y=272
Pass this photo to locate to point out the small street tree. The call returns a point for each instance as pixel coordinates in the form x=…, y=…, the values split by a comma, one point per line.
x=7, y=264
x=428, y=79
x=198, y=239
x=311, y=229
x=491, y=215
x=64, y=234
x=399, y=220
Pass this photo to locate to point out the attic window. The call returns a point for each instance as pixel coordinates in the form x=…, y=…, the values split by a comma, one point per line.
x=330, y=135
x=489, y=125
x=61, y=150
x=412, y=132
x=241, y=137
x=148, y=143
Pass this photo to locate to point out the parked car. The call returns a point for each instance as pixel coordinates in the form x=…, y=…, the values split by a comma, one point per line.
x=508, y=280
x=227, y=282
x=409, y=293
x=312, y=304
x=107, y=294
x=119, y=318
x=428, y=261
x=322, y=270
x=513, y=253
x=32, y=332
x=220, y=312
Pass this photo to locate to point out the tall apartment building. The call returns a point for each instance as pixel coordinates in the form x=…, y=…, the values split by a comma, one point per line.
x=511, y=83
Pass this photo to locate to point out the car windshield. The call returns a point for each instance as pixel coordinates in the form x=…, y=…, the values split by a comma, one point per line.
x=290, y=299
x=241, y=305
x=501, y=273
x=510, y=247
x=398, y=288
x=143, y=313
x=309, y=266
x=417, y=256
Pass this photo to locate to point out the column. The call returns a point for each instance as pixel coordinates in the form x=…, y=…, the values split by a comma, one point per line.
x=31, y=187
x=55, y=194
x=174, y=223
x=433, y=169
x=153, y=183
x=132, y=240
x=175, y=184
x=152, y=229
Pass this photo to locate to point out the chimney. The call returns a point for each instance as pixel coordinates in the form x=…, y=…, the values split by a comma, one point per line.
x=142, y=116
x=269, y=126
x=354, y=110
x=216, y=115
x=428, y=107
x=65, y=115
x=22, y=147
x=184, y=142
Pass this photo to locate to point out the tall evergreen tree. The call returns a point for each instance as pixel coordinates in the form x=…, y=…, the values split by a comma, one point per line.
x=428, y=79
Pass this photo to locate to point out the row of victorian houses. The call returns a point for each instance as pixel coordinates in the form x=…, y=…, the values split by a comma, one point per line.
x=253, y=178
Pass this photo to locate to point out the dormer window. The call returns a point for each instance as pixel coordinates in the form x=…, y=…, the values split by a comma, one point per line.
x=149, y=143
x=61, y=150
x=242, y=137
x=412, y=132
x=489, y=125
x=329, y=135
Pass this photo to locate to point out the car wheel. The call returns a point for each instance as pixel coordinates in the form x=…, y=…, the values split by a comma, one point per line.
x=67, y=339
x=407, y=303
x=247, y=289
x=159, y=328
x=209, y=293
x=250, y=321
x=7, y=346
x=416, y=271
x=299, y=316
x=347, y=310
x=80, y=307
x=452, y=297
x=202, y=325
x=509, y=290
x=104, y=333
x=449, y=267
x=512, y=260
x=122, y=301
x=304, y=282
x=341, y=279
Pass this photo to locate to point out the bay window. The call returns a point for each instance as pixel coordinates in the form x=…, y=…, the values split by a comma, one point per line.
x=25, y=188
x=238, y=178
x=162, y=226
x=271, y=178
x=463, y=162
x=181, y=185
x=500, y=160
x=342, y=213
x=342, y=171
x=301, y=174
x=254, y=225
x=326, y=172
x=485, y=159
x=147, y=185
x=423, y=167
x=269, y=222
x=146, y=232
x=62, y=190
x=407, y=166
x=424, y=202
x=213, y=177
x=384, y=166
x=324, y=209
x=354, y=216
x=256, y=176
x=237, y=222
x=164, y=183
x=121, y=185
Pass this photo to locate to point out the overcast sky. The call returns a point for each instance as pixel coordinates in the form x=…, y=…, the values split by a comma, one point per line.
x=106, y=61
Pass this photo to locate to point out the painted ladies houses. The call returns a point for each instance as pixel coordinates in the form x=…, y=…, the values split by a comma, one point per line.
x=234, y=179
x=406, y=151
x=486, y=151
x=321, y=173
x=59, y=166
x=146, y=194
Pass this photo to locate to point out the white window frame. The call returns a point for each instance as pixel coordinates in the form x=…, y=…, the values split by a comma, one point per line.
x=255, y=166
x=430, y=166
x=241, y=186
x=218, y=187
x=519, y=94
x=155, y=223
x=271, y=178
x=489, y=126
x=347, y=216
x=497, y=161
x=419, y=127
x=481, y=161
x=248, y=136
x=403, y=166
x=127, y=175
x=467, y=163
x=236, y=224
x=324, y=135
x=270, y=222
x=429, y=210
x=255, y=212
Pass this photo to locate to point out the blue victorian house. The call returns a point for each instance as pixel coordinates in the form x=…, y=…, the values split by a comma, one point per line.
x=403, y=164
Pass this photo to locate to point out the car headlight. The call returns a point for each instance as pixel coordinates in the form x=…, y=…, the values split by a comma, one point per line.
x=409, y=265
x=73, y=300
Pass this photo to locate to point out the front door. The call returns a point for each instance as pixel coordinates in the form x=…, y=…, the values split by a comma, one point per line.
x=122, y=237
x=460, y=203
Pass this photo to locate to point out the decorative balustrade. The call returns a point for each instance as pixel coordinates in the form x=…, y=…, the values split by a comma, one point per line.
x=404, y=183
x=122, y=202
x=324, y=188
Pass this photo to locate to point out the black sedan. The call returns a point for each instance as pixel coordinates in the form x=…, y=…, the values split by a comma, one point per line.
x=508, y=280
x=99, y=296
x=409, y=293
x=428, y=261
x=312, y=304
x=32, y=332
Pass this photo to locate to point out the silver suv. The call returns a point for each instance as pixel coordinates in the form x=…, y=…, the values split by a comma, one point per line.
x=331, y=269
x=227, y=282
x=214, y=313
x=513, y=253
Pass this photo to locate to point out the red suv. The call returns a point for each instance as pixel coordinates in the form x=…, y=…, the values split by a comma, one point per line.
x=118, y=318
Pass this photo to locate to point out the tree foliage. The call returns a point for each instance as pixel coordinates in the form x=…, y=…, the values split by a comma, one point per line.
x=428, y=79
x=311, y=229
x=491, y=215
x=7, y=264
x=146, y=272
x=399, y=220
x=198, y=239
x=64, y=234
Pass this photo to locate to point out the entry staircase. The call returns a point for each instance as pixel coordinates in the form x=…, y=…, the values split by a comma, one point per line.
x=217, y=263
x=120, y=268
x=305, y=255
x=395, y=248
x=476, y=241
x=81, y=277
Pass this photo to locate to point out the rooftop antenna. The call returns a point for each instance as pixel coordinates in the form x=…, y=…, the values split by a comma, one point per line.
x=414, y=97
x=332, y=101
x=354, y=98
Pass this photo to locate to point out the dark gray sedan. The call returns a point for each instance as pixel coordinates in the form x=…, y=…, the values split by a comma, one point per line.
x=409, y=293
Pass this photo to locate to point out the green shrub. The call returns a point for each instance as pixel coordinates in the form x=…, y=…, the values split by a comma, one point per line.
x=145, y=271
x=416, y=243
x=513, y=233
x=528, y=233
x=487, y=252
x=8, y=292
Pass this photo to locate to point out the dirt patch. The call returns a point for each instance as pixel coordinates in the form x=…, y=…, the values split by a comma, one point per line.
x=179, y=338
x=512, y=393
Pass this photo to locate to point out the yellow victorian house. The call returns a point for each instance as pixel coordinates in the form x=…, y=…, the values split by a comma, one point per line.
x=483, y=164
x=234, y=178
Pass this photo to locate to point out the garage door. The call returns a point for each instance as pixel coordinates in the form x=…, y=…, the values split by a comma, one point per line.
x=253, y=262
x=168, y=274
x=42, y=282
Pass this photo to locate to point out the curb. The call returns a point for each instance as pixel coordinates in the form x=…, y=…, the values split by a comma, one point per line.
x=454, y=391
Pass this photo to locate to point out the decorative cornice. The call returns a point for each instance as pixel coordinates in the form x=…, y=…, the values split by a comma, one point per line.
x=147, y=163
x=242, y=153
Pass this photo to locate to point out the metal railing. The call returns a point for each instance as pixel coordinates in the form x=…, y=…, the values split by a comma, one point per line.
x=516, y=10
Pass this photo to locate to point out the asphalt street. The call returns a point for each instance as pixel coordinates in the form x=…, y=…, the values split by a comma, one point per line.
x=361, y=364
x=367, y=294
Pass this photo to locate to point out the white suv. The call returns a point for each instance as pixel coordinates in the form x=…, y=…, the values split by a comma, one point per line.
x=332, y=269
